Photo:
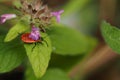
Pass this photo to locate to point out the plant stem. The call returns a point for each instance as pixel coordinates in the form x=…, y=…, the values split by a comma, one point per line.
x=91, y=63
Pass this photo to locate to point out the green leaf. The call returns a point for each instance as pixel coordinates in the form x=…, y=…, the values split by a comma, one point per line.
x=65, y=63
x=19, y=28
x=29, y=74
x=67, y=41
x=39, y=55
x=11, y=55
x=51, y=74
x=111, y=35
x=55, y=74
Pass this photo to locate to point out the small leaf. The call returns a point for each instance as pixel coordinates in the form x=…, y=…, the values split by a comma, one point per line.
x=111, y=35
x=39, y=55
x=17, y=3
x=67, y=41
x=19, y=28
x=11, y=55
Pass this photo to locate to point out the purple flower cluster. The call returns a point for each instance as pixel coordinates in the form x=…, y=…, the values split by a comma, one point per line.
x=35, y=33
x=5, y=17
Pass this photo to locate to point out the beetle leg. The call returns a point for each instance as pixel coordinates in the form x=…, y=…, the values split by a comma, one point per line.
x=41, y=43
x=33, y=47
x=44, y=40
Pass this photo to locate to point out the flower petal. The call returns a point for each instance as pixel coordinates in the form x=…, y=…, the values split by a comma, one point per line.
x=61, y=11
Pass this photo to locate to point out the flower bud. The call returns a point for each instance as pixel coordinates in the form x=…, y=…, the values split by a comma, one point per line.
x=57, y=14
x=5, y=17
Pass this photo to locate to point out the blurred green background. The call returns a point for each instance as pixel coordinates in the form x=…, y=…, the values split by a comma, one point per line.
x=100, y=62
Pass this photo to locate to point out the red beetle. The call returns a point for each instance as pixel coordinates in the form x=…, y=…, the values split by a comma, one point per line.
x=25, y=38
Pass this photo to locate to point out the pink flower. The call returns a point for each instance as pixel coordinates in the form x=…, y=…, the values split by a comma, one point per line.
x=35, y=34
x=57, y=14
x=5, y=17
